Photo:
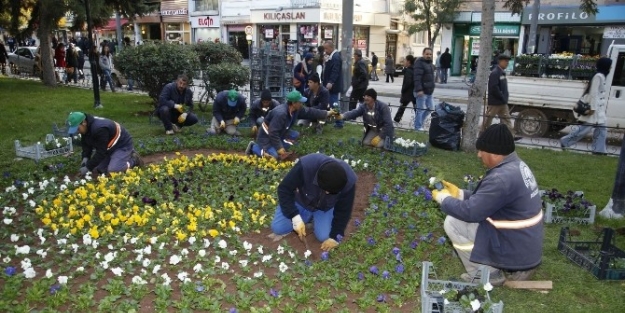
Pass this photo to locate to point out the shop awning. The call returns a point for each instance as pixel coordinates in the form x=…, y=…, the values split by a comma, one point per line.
x=112, y=24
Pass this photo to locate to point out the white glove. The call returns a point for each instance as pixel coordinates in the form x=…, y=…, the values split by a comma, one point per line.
x=298, y=226
x=84, y=162
x=439, y=196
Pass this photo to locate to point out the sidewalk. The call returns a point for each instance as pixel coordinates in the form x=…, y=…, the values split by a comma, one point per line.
x=393, y=89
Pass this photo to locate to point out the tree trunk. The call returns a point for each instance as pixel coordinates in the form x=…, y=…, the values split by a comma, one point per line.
x=477, y=92
x=46, y=23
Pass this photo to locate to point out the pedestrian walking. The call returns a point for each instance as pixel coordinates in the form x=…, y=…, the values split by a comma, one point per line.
x=498, y=96
x=445, y=65
x=374, y=67
x=389, y=68
x=407, y=87
x=616, y=206
x=595, y=118
x=423, y=88
x=71, y=64
x=106, y=64
x=4, y=56
x=360, y=80
x=11, y=42
x=333, y=76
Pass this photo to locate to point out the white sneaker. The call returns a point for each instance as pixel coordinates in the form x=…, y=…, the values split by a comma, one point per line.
x=176, y=128
x=421, y=129
x=608, y=213
x=169, y=132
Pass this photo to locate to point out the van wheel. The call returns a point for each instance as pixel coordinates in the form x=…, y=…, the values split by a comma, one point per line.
x=531, y=123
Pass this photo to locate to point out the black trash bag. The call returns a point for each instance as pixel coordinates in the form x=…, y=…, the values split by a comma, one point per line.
x=445, y=127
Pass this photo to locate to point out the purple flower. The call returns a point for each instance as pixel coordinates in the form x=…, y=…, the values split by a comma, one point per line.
x=399, y=268
x=339, y=238
x=10, y=271
x=428, y=195
x=233, y=310
x=414, y=244
x=387, y=233
x=185, y=188
x=370, y=241
x=55, y=288
x=361, y=276
x=385, y=198
x=395, y=251
x=307, y=263
x=274, y=293
x=441, y=240
x=199, y=288
x=374, y=270
x=357, y=222
x=381, y=298
x=325, y=255
x=398, y=257
x=7, y=174
x=386, y=274
x=416, y=193
x=398, y=187
x=374, y=207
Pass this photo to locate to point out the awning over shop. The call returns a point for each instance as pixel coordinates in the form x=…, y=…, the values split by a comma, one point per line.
x=112, y=24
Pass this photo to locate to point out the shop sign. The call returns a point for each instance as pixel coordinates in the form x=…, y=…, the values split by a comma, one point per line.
x=337, y=17
x=475, y=47
x=279, y=16
x=498, y=30
x=327, y=33
x=183, y=11
x=614, y=32
x=269, y=33
x=204, y=21
x=573, y=15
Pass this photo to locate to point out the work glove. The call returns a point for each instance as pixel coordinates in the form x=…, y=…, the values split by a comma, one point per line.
x=254, y=130
x=285, y=155
x=83, y=171
x=329, y=244
x=298, y=226
x=236, y=121
x=84, y=162
x=439, y=196
x=222, y=125
x=182, y=118
x=179, y=107
x=281, y=151
x=375, y=141
x=453, y=190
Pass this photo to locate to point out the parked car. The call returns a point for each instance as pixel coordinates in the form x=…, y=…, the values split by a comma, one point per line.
x=23, y=61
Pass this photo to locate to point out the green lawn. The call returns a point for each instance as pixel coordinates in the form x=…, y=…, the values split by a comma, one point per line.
x=30, y=109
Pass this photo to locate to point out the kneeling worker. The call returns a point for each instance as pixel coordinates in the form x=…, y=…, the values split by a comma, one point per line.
x=500, y=224
x=228, y=110
x=318, y=188
x=171, y=102
x=260, y=108
x=114, y=151
x=376, y=117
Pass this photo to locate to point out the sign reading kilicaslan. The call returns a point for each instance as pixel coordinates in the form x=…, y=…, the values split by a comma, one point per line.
x=498, y=30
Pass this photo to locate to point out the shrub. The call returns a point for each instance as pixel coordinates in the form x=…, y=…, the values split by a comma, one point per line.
x=221, y=66
x=154, y=66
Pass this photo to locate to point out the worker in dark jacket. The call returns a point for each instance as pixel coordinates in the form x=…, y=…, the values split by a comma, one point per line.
x=276, y=136
x=71, y=64
x=333, y=76
x=407, y=88
x=500, y=223
x=228, y=110
x=260, y=108
x=171, y=102
x=376, y=116
x=423, y=88
x=498, y=95
x=114, y=151
x=360, y=80
x=318, y=98
x=318, y=188
x=445, y=65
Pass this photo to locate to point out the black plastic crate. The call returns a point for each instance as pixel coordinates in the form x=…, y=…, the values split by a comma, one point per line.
x=601, y=257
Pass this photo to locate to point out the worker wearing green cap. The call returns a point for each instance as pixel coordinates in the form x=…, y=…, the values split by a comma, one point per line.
x=106, y=146
x=228, y=110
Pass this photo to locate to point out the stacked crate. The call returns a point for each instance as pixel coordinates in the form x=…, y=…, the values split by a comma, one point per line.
x=257, y=79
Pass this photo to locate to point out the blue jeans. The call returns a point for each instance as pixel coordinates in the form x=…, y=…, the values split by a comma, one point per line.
x=281, y=225
x=291, y=135
x=598, y=137
x=424, y=108
x=443, y=76
x=106, y=76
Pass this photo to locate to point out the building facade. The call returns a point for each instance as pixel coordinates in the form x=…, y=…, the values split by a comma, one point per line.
x=205, y=20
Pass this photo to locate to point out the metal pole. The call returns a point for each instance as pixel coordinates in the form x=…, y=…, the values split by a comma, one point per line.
x=531, y=44
x=92, y=59
x=346, y=41
x=118, y=28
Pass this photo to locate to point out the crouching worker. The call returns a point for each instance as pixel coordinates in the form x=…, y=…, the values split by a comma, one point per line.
x=500, y=224
x=114, y=151
x=376, y=117
x=228, y=110
x=260, y=108
x=171, y=102
x=276, y=136
x=317, y=188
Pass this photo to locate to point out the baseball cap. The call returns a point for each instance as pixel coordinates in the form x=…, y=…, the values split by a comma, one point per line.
x=296, y=96
x=73, y=121
x=233, y=96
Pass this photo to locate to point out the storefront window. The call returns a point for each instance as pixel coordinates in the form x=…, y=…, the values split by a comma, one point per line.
x=328, y=32
x=361, y=37
x=206, y=5
x=307, y=37
x=269, y=37
x=171, y=27
x=177, y=33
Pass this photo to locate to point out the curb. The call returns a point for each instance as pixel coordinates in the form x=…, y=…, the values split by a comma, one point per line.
x=441, y=98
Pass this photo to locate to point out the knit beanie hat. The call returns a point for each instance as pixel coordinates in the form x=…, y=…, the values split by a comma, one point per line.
x=331, y=177
x=265, y=95
x=371, y=93
x=603, y=65
x=496, y=139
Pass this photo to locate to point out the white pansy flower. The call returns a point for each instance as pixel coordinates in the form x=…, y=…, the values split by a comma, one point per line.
x=233, y=252
x=139, y=258
x=291, y=254
x=222, y=244
x=49, y=273
x=183, y=277
x=475, y=305
x=42, y=253
x=117, y=271
x=133, y=240
x=8, y=221
x=247, y=246
x=32, y=203
x=110, y=256
x=283, y=267
x=86, y=239
x=488, y=286
x=62, y=280
x=432, y=180
x=62, y=187
x=30, y=273
x=25, y=249
x=104, y=265
x=147, y=250
x=95, y=244
x=217, y=259
x=184, y=251
x=156, y=268
x=307, y=254
x=153, y=240
x=260, y=249
x=197, y=268
x=243, y=263
x=137, y=280
x=207, y=243
x=225, y=265
x=280, y=249
x=6, y=259
x=266, y=258
x=14, y=237
x=98, y=255
x=174, y=259
x=192, y=240
x=166, y=279
x=161, y=246
x=42, y=239
x=80, y=269
x=25, y=196
x=202, y=253
x=258, y=274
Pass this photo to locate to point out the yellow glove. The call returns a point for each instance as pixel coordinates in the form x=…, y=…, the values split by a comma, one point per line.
x=281, y=151
x=182, y=118
x=254, y=130
x=236, y=121
x=453, y=190
x=375, y=141
x=222, y=124
x=298, y=226
x=179, y=107
x=439, y=196
x=329, y=244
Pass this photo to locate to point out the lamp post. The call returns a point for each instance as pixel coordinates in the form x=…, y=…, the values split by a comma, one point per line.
x=92, y=60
